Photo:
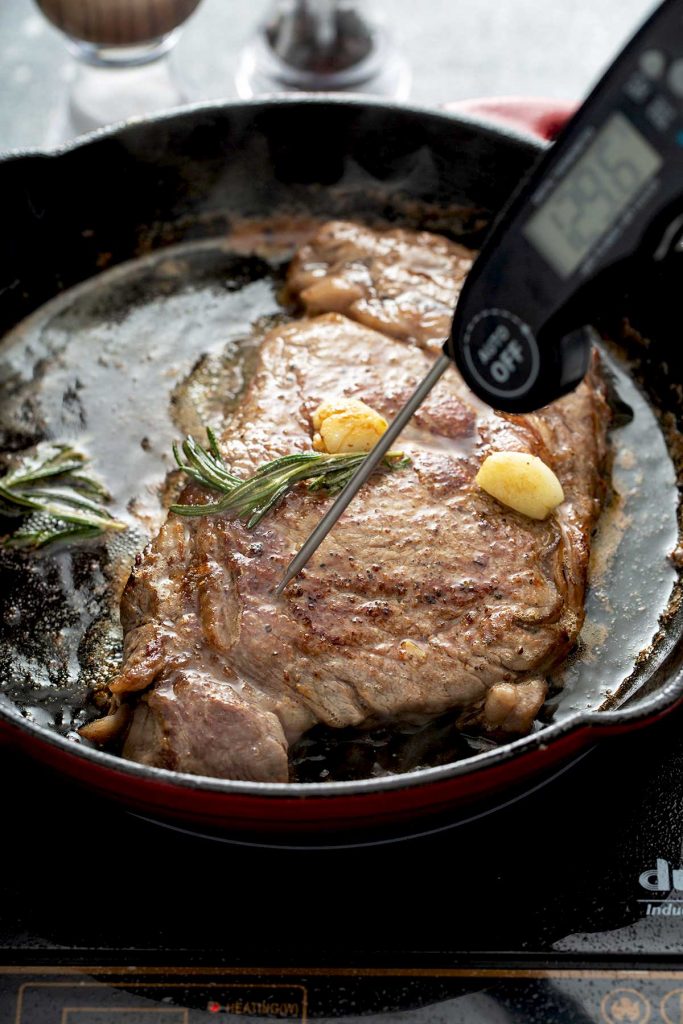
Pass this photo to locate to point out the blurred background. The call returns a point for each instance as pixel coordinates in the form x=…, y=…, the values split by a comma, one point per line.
x=453, y=49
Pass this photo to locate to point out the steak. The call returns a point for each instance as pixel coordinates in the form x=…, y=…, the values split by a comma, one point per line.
x=427, y=597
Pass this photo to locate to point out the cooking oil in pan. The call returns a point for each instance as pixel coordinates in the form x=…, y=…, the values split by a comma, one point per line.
x=109, y=366
x=124, y=365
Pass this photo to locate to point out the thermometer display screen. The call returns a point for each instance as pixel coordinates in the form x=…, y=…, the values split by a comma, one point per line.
x=590, y=198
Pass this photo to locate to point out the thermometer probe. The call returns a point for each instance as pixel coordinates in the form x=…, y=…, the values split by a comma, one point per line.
x=601, y=206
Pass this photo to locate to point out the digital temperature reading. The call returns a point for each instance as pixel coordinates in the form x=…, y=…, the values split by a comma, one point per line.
x=597, y=189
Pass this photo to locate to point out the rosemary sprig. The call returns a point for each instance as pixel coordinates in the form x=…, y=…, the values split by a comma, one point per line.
x=53, y=499
x=259, y=494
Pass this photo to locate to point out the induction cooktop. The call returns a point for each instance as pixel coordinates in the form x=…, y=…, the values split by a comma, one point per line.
x=564, y=905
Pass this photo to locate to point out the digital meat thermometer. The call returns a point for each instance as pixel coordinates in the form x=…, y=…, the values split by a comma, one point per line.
x=602, y=204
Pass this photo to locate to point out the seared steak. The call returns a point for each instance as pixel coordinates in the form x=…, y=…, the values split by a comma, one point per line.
x=403, y=283
x=428, y=595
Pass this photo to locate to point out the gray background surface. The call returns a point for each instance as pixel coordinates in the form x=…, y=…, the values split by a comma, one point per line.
x=457, y=49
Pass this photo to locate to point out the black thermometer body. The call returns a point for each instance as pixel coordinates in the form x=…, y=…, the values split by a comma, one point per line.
x=602, y=203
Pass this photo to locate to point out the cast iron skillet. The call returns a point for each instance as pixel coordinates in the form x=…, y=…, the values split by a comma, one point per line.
x=123, y=193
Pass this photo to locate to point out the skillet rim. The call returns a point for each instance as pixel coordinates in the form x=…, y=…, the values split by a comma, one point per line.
x=533, y=141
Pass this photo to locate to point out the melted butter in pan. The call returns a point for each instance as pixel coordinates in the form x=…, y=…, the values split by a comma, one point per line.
x=109, y=365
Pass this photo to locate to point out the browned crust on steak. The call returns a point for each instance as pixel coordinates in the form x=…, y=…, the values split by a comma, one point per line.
x=489, y=599
x=402, y=283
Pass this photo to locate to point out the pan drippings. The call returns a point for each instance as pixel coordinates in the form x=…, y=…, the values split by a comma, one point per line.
x=100, y=365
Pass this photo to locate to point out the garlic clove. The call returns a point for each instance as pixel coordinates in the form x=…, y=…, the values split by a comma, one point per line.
x=522, y=482
x=346, y=425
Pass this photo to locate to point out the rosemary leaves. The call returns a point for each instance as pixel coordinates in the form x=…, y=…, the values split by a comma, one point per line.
x=53, y=499
x=259, y=494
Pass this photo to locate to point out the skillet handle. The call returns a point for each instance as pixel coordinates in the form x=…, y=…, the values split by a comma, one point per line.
x=532, y=115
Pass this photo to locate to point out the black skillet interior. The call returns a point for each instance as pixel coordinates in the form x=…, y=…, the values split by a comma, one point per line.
x=186, y=182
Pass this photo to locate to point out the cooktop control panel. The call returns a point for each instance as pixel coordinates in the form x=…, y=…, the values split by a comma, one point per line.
x=189, y=996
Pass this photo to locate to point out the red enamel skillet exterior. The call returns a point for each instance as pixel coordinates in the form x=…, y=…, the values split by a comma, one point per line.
x=162, y=185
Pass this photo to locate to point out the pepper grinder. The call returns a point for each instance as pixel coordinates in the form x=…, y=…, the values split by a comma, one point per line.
x=322, y=46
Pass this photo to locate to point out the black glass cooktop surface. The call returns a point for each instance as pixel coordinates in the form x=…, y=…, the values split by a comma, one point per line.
x=565, y=905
